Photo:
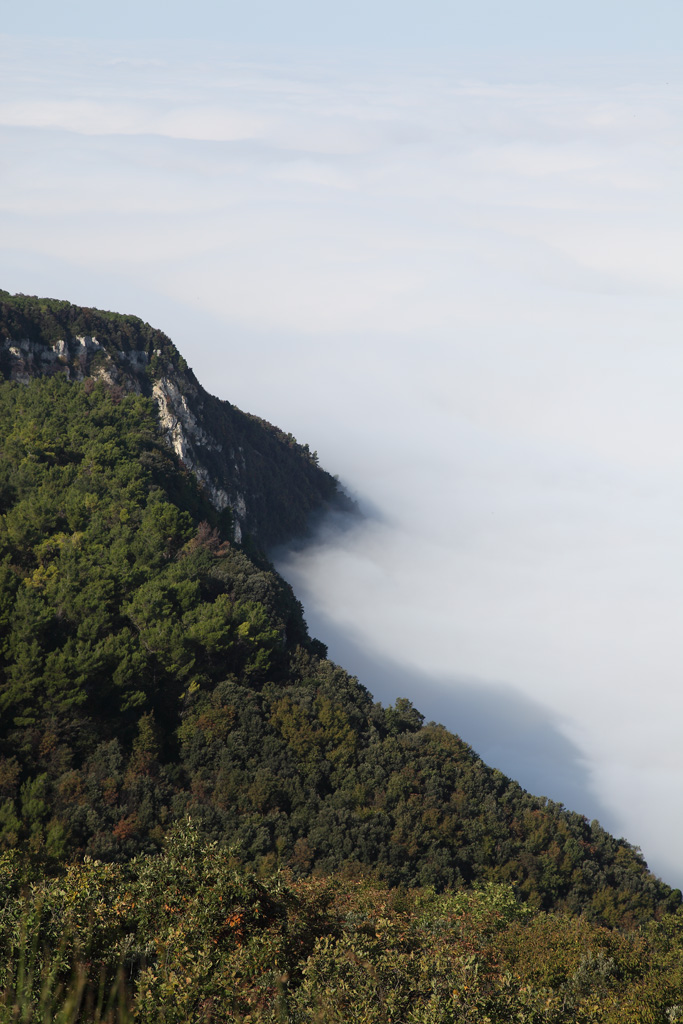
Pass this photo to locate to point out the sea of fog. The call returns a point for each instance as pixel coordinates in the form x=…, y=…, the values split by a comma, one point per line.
x=461, y=284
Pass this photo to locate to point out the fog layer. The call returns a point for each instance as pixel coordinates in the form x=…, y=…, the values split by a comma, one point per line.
x=461, y=284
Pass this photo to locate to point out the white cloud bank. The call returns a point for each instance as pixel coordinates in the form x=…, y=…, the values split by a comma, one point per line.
x=465, y=292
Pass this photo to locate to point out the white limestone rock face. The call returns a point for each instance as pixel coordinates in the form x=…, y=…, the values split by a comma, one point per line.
x=31, y=358
x=187, y=436
x=73, y=359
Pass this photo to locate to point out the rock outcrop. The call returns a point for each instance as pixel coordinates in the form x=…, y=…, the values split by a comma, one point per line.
x=270, y=483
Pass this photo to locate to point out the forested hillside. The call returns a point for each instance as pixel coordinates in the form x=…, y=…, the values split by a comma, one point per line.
x=151, y=669
x=344, y=861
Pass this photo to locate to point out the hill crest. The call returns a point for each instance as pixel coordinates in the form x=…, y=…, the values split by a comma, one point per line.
x=269, y=482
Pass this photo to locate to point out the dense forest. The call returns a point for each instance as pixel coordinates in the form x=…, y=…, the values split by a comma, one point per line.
x=154, y=671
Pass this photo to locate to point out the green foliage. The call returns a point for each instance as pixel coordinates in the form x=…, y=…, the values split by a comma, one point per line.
x=190, y=935
x=117, y=605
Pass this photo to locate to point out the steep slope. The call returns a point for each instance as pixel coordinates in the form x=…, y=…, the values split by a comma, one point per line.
x=269, y=482
x=151, y=669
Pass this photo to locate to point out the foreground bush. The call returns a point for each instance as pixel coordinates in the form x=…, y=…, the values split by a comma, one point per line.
x=188, y=935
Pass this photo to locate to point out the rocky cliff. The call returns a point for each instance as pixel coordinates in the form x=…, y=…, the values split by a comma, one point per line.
x=270, y=483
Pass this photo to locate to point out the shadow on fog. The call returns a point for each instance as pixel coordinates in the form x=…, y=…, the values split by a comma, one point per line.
x=508, y=730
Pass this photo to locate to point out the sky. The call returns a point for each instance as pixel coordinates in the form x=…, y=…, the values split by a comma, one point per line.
x=442, y=245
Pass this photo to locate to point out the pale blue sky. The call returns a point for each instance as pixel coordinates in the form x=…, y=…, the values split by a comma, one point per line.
x=588, y=27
